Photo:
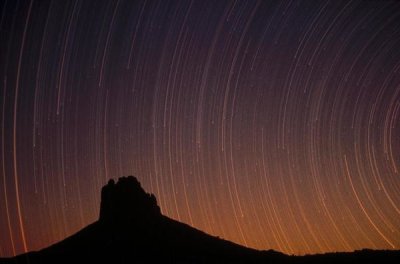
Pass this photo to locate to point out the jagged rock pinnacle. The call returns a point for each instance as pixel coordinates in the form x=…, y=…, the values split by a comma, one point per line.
x=127, y=201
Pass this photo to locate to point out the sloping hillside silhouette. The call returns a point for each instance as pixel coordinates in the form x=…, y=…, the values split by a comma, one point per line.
x=131, y=229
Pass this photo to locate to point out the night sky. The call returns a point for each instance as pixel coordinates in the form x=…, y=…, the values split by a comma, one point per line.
x=273, y=124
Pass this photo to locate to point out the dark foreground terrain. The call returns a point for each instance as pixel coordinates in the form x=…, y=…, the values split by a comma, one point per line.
x=131, y=229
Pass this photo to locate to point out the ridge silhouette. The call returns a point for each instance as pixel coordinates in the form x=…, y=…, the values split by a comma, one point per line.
x=131, y=229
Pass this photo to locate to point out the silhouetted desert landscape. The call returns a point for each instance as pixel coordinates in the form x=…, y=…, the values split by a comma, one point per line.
x=131, y=229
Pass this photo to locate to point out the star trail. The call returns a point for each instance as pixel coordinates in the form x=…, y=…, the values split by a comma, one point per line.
x=273, y=124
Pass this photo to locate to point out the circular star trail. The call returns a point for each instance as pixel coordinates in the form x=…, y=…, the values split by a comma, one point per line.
x=274, y=124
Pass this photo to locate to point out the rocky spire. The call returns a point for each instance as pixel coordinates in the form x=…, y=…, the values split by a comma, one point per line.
x=127, y=201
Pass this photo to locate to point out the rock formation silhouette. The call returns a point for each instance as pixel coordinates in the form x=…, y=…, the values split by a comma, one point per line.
x=126, y=201
x=131, y=229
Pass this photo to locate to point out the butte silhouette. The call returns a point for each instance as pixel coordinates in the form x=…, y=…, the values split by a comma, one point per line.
x=131, y=229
